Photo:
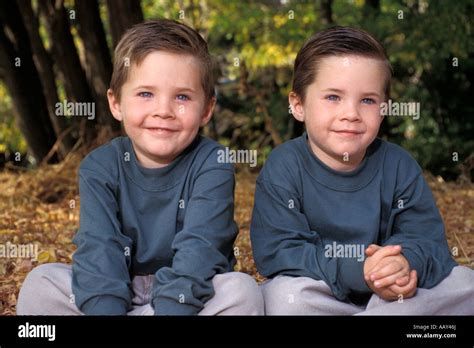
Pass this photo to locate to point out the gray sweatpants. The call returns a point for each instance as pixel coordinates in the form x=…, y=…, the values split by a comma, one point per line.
x=305, y=296
x=47, y=291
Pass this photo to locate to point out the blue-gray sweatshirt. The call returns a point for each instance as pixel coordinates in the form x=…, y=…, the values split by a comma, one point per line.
x=175, y=222
x=312, y=221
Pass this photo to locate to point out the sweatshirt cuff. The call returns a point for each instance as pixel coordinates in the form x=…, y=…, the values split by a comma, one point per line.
x=164, y=306
x=351, y=275
x=104, y=305
x=415, y=263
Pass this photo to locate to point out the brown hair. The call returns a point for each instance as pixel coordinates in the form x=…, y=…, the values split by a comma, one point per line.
x=160, y=35
x=335, y=41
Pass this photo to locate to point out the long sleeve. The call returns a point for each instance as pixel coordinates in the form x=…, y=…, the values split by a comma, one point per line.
x=201, y=247
x=101, y=281
x=283, y=243
x=385, y=200
x=417, y=226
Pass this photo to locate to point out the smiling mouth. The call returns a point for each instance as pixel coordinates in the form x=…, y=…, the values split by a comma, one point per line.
x=160, y=130
x=348, y=133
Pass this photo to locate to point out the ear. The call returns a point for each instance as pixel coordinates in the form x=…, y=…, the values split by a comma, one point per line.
x=296, y=106
x=206, y=117
x=114, y=105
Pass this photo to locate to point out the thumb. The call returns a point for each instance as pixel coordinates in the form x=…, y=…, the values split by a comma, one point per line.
x=388, y=250
x=371, y=249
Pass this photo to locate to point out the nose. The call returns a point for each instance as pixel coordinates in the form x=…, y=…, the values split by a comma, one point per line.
x=163, y=108
x=350, y=112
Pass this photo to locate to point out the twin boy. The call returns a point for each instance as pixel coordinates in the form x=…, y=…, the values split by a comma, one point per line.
x=156, y=221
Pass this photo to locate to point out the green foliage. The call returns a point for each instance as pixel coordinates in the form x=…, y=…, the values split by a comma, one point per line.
x=422, y=39
x=11, y=139
x=422, y=48
x=430, y=45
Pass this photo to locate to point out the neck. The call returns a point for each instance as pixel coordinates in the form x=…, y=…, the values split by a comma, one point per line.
x=339, y=163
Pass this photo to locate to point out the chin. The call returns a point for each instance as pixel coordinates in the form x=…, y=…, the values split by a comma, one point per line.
x=341, y=152
x=161, y=154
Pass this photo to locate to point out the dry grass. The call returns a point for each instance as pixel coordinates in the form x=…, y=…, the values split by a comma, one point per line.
x=42, y=207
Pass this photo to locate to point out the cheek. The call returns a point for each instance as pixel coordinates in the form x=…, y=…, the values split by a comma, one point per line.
x=190, y=115
x=374, y=121
x=137, y=110
x=319, y=118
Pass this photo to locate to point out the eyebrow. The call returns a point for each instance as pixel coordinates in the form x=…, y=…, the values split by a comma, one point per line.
x=333, y=90
x=336, y=90
x=143, y=87
x=371, y=94
x=184, y=89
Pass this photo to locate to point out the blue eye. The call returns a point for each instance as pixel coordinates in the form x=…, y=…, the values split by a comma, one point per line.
x=333, y=97
x=145, y=94
x=368, y=101
x=182, y=97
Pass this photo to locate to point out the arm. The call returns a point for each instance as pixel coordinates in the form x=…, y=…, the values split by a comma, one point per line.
x=419, y=229
x=283, y=243
x=100, y=279
x=202, y=248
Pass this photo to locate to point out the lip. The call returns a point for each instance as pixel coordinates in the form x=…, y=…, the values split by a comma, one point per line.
x=347, y=132
x=160, y=130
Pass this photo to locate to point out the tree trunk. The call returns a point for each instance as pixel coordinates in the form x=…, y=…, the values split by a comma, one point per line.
x=371, y=9
x=19, y=73
x=326, y=12
x=98, y=64
x=44, y=65
x=123, y=14
x=67, y=60
x=268, y=121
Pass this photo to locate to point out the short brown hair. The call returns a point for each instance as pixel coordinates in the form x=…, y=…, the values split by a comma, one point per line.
x=335, y=41
x=160, y=35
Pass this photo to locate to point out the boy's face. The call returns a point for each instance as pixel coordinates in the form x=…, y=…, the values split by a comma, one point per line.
x=342, y=109
x=162, y=106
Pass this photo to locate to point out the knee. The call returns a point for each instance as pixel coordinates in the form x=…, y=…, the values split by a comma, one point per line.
x=37, y=276
x=283, y=296
x=463, y=278
x=34, y=285
x=245, y=292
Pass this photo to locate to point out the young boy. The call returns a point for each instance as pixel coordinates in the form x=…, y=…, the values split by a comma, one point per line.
x=156, y=223
x=324, y=198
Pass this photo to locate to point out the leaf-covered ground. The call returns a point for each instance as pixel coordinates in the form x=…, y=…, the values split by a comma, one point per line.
x=41, y=207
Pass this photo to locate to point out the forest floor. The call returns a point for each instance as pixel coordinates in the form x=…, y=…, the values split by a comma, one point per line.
x=41, y=208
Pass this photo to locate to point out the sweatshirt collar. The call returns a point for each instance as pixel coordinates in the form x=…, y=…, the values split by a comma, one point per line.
x=157, y=179
x=342, y=181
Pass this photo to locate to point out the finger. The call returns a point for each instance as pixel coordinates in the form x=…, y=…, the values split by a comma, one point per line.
x=415, y=284
x=407, y=289
x=386, y=270
x=388, y=250
x=379, y=260
x=403, y=281
x=386, y=294
x=389, y=280
x=399, y=260
x=411, y=293
x=371, y=249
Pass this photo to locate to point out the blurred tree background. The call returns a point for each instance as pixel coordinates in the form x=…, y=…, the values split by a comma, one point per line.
x=55, y=50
